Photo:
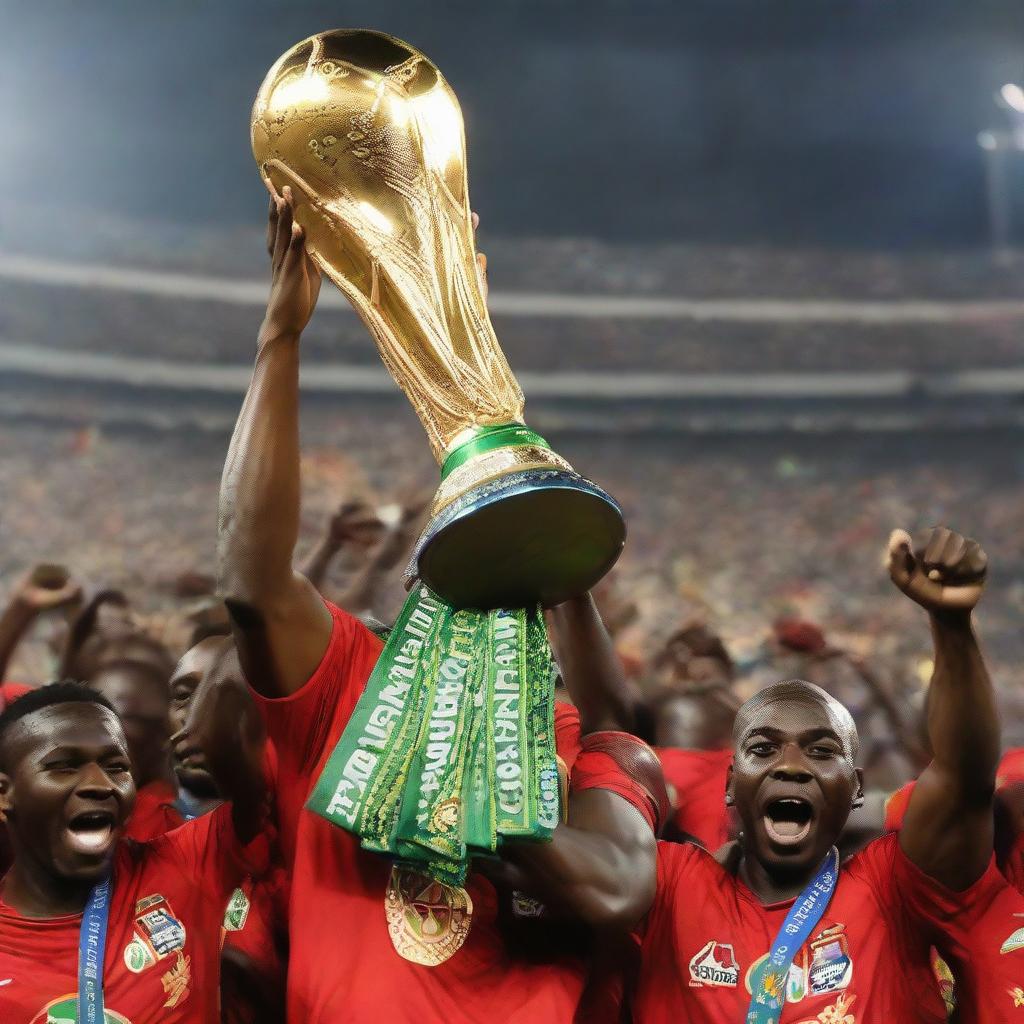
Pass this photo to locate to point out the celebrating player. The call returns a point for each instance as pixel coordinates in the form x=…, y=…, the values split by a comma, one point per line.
x=368, y=942
x=91, y=922
x=782, y=933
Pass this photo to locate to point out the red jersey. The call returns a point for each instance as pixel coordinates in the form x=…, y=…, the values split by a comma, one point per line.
x=163, y=937
x=255, y=925
x=983, y=942
x=696, y=781
x=154, y=812
x=11, y=692
x=866, y=963
x=347, y=903
x=1011, y=769
x=8, y=692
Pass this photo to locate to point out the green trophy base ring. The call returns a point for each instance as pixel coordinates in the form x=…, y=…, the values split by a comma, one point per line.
x=534, y=535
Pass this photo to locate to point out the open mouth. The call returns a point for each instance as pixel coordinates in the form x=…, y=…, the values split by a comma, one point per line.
x=788, y=820
x=91, y=832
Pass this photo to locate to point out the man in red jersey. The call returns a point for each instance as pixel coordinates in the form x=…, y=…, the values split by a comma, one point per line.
x=369, y=942
x=254, y=958
x=66, y=792
x=711, y=928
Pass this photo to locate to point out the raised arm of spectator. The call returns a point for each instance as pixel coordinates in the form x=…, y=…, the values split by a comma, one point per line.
x=42, y=589
x=600, y=865
x=948, y=828
x=353, y=524
x=281, y=625
x=395, y=543
x=590, y=668
x=228, y=729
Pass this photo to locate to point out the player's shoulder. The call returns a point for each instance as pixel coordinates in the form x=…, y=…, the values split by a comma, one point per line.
x=687, y=862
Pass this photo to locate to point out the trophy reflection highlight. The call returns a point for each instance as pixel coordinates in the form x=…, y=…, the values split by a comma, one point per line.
x=369, y=136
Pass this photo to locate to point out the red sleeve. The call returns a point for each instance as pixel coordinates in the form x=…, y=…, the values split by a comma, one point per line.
x=154, y=813
x=1013, y=866
x=1011, y=767
x=207, y=851
x=11, y=692
x=300, y=725
x=947, y=917
x=597, y=770
x=896, y=808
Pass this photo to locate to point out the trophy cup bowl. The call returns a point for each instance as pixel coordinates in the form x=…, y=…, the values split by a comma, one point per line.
x=369, y=136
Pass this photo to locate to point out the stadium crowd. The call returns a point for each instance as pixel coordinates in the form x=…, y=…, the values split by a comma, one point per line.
x=711, y=795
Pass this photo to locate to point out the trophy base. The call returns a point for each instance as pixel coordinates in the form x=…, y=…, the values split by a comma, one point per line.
x=536, y=535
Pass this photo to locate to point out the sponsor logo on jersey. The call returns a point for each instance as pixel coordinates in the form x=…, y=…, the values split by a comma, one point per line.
x=65, y=1011
x=831, y=967
x=822, y=966
x=157, y=928
x=715, y=966
x=137, y=956
x=1015, y=941
x=237, y=912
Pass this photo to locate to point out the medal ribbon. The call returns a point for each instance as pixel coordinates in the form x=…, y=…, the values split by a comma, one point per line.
x=92, y=941
x=768, y=986
x=450, y=749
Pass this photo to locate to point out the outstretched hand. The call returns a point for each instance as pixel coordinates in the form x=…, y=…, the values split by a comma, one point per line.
x=944, y=572
x=296, y=277
x=354, y=523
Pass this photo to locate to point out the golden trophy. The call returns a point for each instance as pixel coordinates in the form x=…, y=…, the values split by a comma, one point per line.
x=369, y=136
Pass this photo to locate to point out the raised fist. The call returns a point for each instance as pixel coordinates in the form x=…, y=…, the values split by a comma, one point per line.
x=46, y=587
x=942, y=572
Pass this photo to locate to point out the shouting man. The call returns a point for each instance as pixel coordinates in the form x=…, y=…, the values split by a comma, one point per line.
x=783, y=933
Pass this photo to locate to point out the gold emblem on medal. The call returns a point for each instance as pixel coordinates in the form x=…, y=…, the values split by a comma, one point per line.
x=428, y=921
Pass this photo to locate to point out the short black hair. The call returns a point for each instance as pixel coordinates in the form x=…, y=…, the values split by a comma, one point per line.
x=67, y=691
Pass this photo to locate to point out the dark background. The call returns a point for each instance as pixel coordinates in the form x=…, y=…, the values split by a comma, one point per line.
x=714, y=121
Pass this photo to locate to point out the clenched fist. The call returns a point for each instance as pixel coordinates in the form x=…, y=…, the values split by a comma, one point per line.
x=943, y=572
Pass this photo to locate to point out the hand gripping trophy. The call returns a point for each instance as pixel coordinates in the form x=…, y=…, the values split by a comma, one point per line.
x=369, y=136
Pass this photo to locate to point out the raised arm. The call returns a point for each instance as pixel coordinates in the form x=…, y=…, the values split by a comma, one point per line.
x=600, y=866
x=354, y=524
x=948, y=828
x=590, y=668
x=280, y=622
x=42, y=589
x=229, y=731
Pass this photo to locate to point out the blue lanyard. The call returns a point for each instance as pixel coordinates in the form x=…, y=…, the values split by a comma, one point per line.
x=92, y=941
x=768, y=985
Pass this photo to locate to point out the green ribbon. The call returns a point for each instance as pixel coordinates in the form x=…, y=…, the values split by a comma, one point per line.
x=486, y=439
x=450, y=750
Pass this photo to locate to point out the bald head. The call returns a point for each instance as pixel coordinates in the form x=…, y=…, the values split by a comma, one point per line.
x=788, y=694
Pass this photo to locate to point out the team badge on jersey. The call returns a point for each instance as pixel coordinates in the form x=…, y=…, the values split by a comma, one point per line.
x=1015, y=941
x=831, y=967
x=428, y=921
x=821, y=966
x=157, y=929
x=715, y=966
x=138, y=956
x=65, y=1011
x=237, y=912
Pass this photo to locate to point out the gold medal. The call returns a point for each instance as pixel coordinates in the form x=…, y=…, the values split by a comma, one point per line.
x=428, y=921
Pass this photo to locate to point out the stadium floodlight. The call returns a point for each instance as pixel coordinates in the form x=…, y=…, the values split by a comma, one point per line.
x=1012, y=96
